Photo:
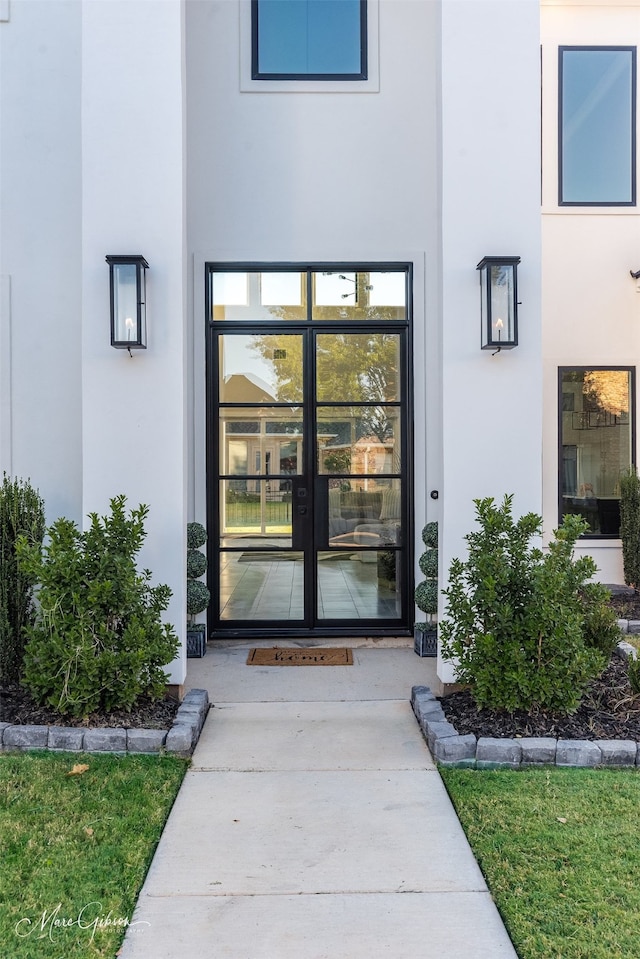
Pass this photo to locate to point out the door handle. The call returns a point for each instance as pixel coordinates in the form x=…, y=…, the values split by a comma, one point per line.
x=302, y=510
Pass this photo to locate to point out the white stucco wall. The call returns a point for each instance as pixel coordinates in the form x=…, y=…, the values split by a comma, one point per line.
x=40, y=250
x=294, y=176
x=491, y=405
x=591, y=305
x=134, y=436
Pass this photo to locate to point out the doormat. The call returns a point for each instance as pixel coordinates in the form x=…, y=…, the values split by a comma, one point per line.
x=300, y=657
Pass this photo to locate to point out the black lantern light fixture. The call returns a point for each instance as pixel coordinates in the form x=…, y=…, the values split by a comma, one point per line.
x=499, y=302
x=127, y=283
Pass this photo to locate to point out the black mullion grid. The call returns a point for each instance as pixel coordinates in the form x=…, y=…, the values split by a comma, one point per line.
x=309, y=456
x=254, y=476
x=372, y=626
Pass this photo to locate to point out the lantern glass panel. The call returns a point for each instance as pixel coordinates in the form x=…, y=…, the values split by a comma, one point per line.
x=142, y=305
x=484, y=308
x=125, y=302
x=502, y=302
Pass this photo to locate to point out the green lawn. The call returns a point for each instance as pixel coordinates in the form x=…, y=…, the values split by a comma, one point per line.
x=75, y=848
x=560, y=849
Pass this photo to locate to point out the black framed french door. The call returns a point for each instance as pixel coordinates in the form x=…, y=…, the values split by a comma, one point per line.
x=309, y=449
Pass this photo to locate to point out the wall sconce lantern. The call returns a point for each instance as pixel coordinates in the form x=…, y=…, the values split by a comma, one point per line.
x=127, y=283
x=499, y=302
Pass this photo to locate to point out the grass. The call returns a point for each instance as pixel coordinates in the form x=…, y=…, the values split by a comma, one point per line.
x=559, y=849
x=76, y=848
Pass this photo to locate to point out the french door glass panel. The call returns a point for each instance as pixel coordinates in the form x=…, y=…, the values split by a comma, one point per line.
x=358, y=439
x=358, y=367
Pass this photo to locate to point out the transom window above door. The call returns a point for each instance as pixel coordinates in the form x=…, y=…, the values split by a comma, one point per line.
x=322, y=294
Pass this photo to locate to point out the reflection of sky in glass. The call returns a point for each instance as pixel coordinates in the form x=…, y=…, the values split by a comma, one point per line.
x=281, y=289
x=338, y=289
x=239, y=356
x=309, y=36
x=596, y=126
x=387, y=289
x=335, y=289
x=230, y=289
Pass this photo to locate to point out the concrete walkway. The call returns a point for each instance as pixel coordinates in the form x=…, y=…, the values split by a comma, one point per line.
x=314, y=825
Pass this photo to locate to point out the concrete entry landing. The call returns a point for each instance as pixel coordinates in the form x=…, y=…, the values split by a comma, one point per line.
x=313, y=824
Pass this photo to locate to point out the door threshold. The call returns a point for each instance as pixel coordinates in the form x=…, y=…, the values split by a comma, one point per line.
x=350, y=642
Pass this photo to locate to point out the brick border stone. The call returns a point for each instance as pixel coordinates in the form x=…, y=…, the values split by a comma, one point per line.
x=179, y=740
x=449, y=748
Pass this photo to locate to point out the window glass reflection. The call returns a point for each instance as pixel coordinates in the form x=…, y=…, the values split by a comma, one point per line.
x=595, y=445
x=358, y=440
x=257, y=368
x=597, y=125
x=354, y=367
x=359, y=296
x=268, y=295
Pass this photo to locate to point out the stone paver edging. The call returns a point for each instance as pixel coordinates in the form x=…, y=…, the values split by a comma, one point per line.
x=449, y=748
x=179, y=740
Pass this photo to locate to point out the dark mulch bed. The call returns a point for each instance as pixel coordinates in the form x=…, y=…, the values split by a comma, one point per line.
x=609, y=710
x=627, y=605
x=17, y=706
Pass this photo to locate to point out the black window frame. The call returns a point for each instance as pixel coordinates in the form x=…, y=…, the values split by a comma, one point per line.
x=257, y=74
x=632, y=427
x=598, y=47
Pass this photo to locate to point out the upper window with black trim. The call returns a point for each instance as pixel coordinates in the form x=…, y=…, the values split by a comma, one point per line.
x=309, y=39
x=596, y=443
x=597, y=126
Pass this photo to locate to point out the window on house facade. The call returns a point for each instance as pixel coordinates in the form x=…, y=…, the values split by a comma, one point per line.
x=597, y=153
x=309, y=39
x=596, y=443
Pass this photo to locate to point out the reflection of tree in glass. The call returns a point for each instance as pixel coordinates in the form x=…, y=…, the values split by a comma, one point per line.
x=607, y=390
x=351, y=367
x=357, y=367
x=338, y=462
x=283, y=353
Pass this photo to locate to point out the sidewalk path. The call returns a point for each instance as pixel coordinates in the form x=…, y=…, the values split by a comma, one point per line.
x=314, y=825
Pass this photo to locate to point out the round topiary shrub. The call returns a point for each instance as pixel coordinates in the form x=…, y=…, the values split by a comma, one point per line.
x=198, y=596
x=430, y=535
x=428, y=563
x=196, y=535
x=196, y=564
x=427, y=596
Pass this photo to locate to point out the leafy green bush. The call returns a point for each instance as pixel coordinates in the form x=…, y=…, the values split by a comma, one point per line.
x=98, y=642
x=601, y=630
x=630, y=526
x=633, y=672
x=21, y=514
x=519, y=622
